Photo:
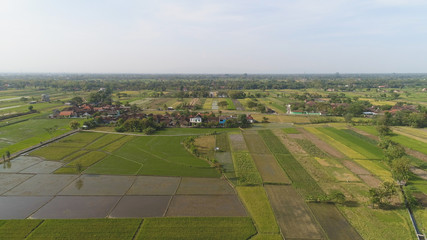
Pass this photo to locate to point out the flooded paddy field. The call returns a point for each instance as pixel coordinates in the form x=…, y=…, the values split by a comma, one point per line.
x=29, y=189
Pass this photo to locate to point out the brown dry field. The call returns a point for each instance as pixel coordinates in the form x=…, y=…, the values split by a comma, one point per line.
x=345, y=177
x=237, y=142
x=370, y=180
x=321, y=144
x=333, y=222
x=194, y=101
x=270, y=170
x=255, y=143
x=292, y=214
x=206, y=145
x=421, y=198
x=355, y=168
x=204, y=186
x=206, y=206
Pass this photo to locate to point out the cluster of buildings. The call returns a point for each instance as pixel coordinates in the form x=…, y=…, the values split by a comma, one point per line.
x=111, y=114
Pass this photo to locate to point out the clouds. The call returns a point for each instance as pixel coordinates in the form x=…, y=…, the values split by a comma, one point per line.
x=285, y=36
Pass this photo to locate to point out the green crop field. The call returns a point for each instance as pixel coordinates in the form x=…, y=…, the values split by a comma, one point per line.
x=151, y=157
x=366, y=148
x=17, y=229
x=208, y=104
x=406, y=141
x=25, y=134
x=54, y=153
x=245, y=169
x=273, y=143
x=301, y=180
x=86, y=229
x=79, y=140
x=290, y=130
x=104, y=140
x=230, y=228
x=256, y=202
x=230, y=105
x=117, y=144
x=222, y=142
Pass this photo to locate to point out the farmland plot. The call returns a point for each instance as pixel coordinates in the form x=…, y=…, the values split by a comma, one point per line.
x=333, y=222
x=293, y=215
x=238, y=143
x=258, y=205
x=246, y=170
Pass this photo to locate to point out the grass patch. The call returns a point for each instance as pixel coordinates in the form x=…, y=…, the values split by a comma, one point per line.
x=310, y=148
x=222, y=142
x=78, y=140
x=205, y=146
x=230, y=105
x=256, y=202
x=273, y=142
x=245, y=169
x=86, y=229
x=103, y=141
x=88, y=159
x=290, y=130
x=54, y=153
x=197, y=228
x=117, y=144
x=75, y=155
x=155, y=155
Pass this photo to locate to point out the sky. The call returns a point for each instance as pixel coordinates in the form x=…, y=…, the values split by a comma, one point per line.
x=217, y=36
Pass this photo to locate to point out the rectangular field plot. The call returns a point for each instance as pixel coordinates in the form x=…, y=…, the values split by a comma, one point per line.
x=18, y=207
x=117, y=144
x=246, y=170
x=43, y=167
x=99, y=185
x=238, y=143
x=151, y=185
x=205, y=205
x=256, y=202
x=17, y=229
x=68, y=207
x=54, y=153
x=333, y=222
x=292, y=214
x=269, y=169
x=141, y=206
x=10, y=180
x=86, y=229
x=42, y=185
x=210, y=228
x=204, y=186
x=255, y=143
x=149, y=156
x=18, y=164
x=77, y=140
x=103, y=141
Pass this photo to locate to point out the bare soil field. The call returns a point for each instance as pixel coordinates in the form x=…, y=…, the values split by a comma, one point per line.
x=206, y=206
x=292, y=214
x=355, y=168
x=270, y=170
x=370, y=180
x=333, y=222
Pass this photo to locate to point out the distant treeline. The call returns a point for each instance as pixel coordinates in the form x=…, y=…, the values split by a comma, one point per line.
x=163, y=82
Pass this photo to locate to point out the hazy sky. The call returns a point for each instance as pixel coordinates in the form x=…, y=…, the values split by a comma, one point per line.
x=232, y=36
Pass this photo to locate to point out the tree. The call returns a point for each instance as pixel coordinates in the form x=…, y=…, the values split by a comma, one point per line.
x=337, y=196
x=348, y=117
x=74, y=125
x=8, y=154
x=264, y=120
x=383, y=130
x=76, y=101
x=251, y=104
x=381, y=195
x=30, y=108
x=400, y=169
